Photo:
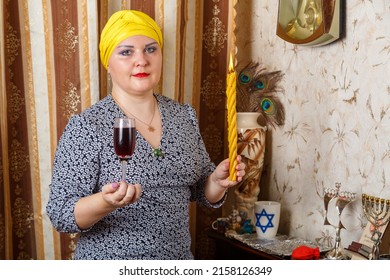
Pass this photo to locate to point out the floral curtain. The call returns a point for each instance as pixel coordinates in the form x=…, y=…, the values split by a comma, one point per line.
x=50, y=69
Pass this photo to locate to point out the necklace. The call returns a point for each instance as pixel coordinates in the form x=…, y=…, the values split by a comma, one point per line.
x=150, y=127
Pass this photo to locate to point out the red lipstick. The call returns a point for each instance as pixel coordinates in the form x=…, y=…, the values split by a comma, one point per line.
x=141, y=75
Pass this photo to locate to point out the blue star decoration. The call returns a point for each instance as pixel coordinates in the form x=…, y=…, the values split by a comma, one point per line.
x=269, y=223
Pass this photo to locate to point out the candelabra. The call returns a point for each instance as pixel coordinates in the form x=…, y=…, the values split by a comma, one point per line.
x=376, y=211
x=342, y=200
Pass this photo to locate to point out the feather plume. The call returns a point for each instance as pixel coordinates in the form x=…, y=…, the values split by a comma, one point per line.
x=257, y=92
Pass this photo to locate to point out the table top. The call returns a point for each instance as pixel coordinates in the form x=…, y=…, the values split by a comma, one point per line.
x=281, y=247
x=248, y=251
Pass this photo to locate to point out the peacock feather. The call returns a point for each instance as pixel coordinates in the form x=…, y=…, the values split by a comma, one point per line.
x=257, y=91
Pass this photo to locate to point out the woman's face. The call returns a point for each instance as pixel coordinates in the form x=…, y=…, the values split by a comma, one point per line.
x=135, y=65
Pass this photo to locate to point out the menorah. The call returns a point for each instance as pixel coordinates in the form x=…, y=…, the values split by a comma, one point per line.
x=342, y=200
x=376, y=211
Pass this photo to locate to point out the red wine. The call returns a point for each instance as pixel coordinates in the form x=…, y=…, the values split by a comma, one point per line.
x=124, y=141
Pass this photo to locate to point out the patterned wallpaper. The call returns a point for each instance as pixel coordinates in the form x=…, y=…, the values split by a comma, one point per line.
x=337, y=126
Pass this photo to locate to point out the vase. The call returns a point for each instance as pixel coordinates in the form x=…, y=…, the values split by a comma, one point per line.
x=251, y=147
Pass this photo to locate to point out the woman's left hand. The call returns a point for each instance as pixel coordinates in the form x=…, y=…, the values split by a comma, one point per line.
x=221, y=173
x=218, y=182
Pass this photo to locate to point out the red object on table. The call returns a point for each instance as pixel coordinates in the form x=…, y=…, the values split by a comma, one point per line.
x=305, y=253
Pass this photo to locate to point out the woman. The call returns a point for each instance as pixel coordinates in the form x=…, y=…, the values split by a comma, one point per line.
x=147, y=216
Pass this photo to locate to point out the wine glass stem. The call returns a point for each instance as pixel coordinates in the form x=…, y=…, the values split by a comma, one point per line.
x=123, y=163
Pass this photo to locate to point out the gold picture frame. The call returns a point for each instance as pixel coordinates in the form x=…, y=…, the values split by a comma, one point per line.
x=309, y=22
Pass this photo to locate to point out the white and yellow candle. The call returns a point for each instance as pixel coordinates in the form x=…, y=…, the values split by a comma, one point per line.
x=232, y=119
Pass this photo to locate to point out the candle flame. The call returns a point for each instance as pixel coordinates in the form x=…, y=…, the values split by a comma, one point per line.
x=231, y=67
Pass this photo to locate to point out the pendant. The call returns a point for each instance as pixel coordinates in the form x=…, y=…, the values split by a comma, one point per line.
x=158, y=153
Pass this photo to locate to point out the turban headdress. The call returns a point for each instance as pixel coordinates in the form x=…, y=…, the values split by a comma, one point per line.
x=122, y=25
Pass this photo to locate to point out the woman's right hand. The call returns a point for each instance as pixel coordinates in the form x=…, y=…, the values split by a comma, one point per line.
x=91, y=209
x=122, y=194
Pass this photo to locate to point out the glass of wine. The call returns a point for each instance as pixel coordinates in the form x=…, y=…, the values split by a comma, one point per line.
x=124, y=140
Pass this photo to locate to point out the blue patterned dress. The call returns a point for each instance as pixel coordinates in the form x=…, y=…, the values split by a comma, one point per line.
x=156, y=226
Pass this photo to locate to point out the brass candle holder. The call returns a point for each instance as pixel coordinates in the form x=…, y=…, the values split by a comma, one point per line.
x=376, y=211
x=342, y=200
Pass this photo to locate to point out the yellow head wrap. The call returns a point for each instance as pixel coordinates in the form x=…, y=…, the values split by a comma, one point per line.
x=122, y=25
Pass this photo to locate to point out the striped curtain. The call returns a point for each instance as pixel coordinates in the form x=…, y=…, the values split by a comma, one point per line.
x=50, y=69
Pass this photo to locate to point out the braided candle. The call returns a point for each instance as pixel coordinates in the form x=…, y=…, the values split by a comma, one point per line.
x=232, y=120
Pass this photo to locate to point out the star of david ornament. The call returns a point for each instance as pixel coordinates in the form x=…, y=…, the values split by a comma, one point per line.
x=266, y=222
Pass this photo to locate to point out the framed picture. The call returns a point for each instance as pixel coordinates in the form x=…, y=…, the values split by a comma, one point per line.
x=309, y=22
